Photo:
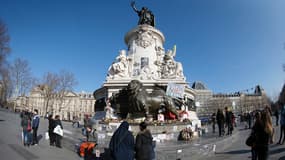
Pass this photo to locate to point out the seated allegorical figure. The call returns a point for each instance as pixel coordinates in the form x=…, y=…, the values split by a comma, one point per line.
x=119, y=68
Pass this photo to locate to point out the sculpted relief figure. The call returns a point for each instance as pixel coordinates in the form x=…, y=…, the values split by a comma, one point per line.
x=144, y=38
x=119, y=68
x=145, y=15
x=170, y=68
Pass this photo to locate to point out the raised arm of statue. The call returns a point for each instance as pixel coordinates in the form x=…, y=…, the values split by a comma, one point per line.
x=134, y=7
x=145, y=15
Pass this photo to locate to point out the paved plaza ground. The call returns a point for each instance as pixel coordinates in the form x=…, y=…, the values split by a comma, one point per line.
x=228, y=147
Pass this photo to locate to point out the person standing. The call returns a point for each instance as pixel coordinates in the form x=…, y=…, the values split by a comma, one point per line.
x=122, y=143
x=35, y=126
x=51, y=126
x=253, y=148
x=264, y=131
x=249, y=118
x=58, y=137
x=144, y=144
x=214, y=122
x=87, y=127
x=27, y=128
x=220, y=122
x=228, y=120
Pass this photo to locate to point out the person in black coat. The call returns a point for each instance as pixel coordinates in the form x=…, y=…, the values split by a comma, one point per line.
x=51, y=126
x=220, y=121
x=144, y=144
x=122, y=143
x=228, y=120
x=263, y=131
x=213, y=117
x=57, y=137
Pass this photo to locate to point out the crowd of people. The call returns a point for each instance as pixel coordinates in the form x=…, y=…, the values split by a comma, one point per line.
x=224, y=120
x=30, y=122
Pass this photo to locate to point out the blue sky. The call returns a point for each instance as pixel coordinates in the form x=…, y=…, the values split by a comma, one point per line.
x=230, y=45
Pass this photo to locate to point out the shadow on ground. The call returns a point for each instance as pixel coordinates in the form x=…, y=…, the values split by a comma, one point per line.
x=235, y=152
x=277, y=151
x=282, y=158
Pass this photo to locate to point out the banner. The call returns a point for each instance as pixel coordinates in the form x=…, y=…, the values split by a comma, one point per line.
x=175, y=90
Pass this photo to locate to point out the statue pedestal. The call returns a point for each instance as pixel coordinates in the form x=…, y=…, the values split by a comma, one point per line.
x=147, y=61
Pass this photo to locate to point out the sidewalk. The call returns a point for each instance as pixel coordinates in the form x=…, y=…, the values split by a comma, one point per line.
x=171, y=149
x=12, y=147
x=199, y=148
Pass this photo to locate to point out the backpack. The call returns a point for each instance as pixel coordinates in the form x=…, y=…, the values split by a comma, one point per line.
x=86, y=148
x=29, y=128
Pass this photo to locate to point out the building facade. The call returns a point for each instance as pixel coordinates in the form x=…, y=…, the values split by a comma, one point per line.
x=207, y=102
x=68, y=107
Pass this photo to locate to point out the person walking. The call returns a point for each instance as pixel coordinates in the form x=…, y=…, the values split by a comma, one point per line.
x=214, y=122
x=51, y=126
x=228, y=121
x=35, y=126
x=264, y=131
x=57, y=136
x=220, y=122
x=144, y=144
x=27, y=128
x=249, y=118
x=122, y=143
x=282, y=124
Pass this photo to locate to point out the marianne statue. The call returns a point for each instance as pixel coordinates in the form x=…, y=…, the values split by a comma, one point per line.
x=146, y=16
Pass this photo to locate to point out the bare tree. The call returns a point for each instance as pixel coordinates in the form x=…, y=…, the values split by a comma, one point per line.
x=49, y=87
x=5, y=82
x=5, y=86
x=21, y=77
x=56, y=87
x=4, y=43
x=66, y=84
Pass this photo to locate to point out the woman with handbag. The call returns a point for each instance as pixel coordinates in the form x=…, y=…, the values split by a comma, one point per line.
x=58, y=137
x=251, y=140
x=27, y=128
x=263, y=131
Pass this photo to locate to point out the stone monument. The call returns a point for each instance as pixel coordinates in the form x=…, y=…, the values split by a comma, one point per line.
x=147, y=61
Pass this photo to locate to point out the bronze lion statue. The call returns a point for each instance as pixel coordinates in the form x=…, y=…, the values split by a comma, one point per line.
x=137, y=102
